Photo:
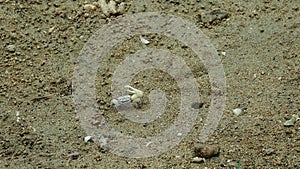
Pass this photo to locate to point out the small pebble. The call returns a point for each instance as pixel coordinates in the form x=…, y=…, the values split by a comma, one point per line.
x=198, y=160
x=73, y=155
x=51, y=30
x=237, y=111
x=206, y=151
x=144, y=41
x=269, y=151
x=90, y=7
x=11, y=48
x=291, y=122
x=87, y=138
x=18, y=116
x=214, y=15
x=197, y=105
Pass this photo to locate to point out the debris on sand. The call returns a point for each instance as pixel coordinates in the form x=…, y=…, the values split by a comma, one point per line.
x=198, y=160
x=238, y=111
x=197, y=105
x=213, y=17
x=73, y=156
x=206, y=151
x=291, y=121
x=88, y=139
x=111, y=7
x=144, y=41
x=90, y=7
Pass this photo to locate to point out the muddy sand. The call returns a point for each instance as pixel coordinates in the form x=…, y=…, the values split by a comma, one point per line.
x=258, y=43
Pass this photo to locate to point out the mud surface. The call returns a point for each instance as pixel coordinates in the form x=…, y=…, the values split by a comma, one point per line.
x=258, y=43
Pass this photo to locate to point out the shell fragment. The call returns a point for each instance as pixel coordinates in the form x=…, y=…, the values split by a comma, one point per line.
x=144, y=41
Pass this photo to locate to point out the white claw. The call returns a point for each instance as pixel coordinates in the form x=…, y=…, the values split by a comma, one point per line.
x=136, y=93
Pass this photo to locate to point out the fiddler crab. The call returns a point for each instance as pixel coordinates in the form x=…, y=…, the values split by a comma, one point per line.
x=133, y=98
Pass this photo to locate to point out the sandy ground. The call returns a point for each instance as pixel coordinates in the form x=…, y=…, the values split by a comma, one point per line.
x=258, y=43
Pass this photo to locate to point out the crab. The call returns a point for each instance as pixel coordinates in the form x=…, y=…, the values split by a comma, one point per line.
x=134, y=97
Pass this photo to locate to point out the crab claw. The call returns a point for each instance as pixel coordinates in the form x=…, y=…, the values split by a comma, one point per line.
x=136, y=93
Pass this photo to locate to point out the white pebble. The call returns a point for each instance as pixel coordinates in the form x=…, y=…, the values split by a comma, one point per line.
x=18, y=116
x=89, y=7
x=144, y=41
x=198, y=160
x=51, y=30
x=150, y=142
x=11, y=48
x=291, y=121
x=237, y=111
x=87, y=138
